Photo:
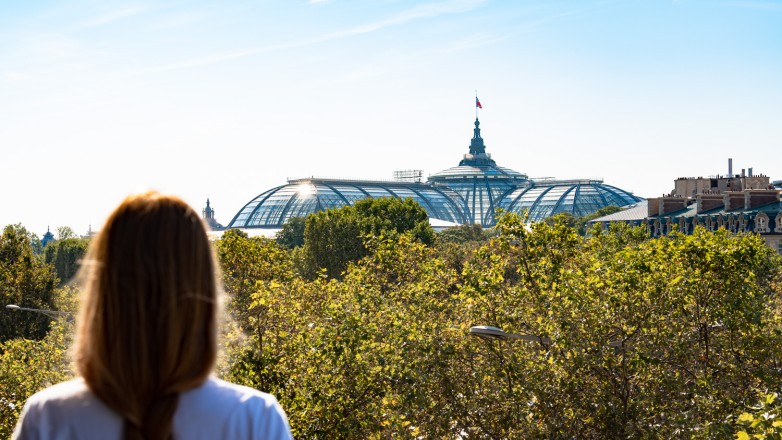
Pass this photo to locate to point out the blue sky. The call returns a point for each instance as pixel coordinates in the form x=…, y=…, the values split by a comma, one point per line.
x=99, y=99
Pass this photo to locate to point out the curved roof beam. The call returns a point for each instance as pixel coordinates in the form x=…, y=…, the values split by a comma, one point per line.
x=250, y=215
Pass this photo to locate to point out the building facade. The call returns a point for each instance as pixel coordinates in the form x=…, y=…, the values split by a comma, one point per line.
x=738, y=203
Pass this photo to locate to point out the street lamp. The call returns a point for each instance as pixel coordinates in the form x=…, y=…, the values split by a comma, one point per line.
x=489, y=332
x=54, y=314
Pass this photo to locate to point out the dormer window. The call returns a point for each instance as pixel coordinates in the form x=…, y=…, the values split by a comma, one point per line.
x=779, y=223
x=761, y=223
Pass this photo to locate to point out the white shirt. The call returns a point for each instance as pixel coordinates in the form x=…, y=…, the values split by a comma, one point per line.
x=214, y=410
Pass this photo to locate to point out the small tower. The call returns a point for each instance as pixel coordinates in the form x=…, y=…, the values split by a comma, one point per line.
x=208, y=215
x=47, y=237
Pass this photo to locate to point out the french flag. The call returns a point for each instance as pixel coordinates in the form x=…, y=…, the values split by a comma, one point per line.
x=478, y=103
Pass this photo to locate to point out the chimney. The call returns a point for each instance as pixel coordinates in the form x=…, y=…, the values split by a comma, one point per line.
x=743, y=174
x=707, y=202
x=759, y=197
x=733, y=200
x=668, y=205
x=653, y=206
x=750, y=171
x=730, y=167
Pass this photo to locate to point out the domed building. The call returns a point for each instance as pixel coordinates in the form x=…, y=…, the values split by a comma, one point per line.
x=465, y=194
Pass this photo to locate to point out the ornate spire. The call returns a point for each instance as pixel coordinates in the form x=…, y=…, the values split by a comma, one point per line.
x=47, y=237
x=476, y=145
x=477, y=156
x=208, y=212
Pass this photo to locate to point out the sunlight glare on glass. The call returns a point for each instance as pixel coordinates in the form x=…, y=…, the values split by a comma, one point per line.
x=305, y=189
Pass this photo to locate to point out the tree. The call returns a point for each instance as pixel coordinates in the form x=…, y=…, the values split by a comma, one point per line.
x=28, y=366
x=66, y=255
x=566, y=218
x=246, y=263
x=351, y=358
x=335, y=237
x=464, y=234
x=650, y=338
x=25, y=280
x=292, y=233
x=65, y=232
x=581, y=222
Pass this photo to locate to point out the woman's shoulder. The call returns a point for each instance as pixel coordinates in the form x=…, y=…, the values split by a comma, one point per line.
x=238, y=410
x=63, y=408
x=217, y=390
x=64, y=391
x=64, y=396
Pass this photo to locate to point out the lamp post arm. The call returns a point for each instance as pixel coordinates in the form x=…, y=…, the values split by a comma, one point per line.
x=50, y=313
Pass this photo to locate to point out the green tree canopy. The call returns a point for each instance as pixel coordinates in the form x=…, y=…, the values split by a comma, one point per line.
x=465, y=234
x=335, y=237
x=292, y=233
x=25, y=280
x=66, y=255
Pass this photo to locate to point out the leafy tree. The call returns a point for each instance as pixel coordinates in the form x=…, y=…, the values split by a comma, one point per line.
x=335, y=237
x=66, y=255
x=675, y=337
x=464, y=234
x=25, y=280
x=246, y=263
x=581, y=222
x=348, y=358
x=65, y=232
x=649, y=338
x=565, y=218
x=36, y=245
x=292, y=233
x=28, y=366
x=639, y=338
x=762, y=421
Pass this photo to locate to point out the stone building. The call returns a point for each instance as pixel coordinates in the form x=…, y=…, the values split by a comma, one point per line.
x=737, y=202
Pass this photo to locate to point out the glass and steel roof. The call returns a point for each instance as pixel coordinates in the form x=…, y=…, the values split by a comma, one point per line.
x=299, y=198
x=488, y=172
x=481, y=195
x=577, y=197
x=468, y=193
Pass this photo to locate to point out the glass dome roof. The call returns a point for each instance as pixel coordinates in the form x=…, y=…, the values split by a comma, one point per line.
x=578, y=197
x=299, y=198
x=468, y=193
x=479, y=181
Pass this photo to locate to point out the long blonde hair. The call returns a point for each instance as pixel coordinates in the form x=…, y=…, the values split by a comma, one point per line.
x=147, y=324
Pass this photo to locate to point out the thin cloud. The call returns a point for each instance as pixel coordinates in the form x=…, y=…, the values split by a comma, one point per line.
x=476, y=40
x=177, y=19
x=111, y=16
x=422, y=11
x=217, y=58
x=362, y=73
x=535, y=24
x=11, y=76
x=757, y=4
x=429, y=10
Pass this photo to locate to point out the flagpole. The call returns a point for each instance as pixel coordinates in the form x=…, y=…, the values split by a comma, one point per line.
x=476, y=103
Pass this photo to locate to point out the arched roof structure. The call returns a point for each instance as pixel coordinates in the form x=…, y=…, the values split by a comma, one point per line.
x=542, y=199
x=302, y=197
x=468, y=193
